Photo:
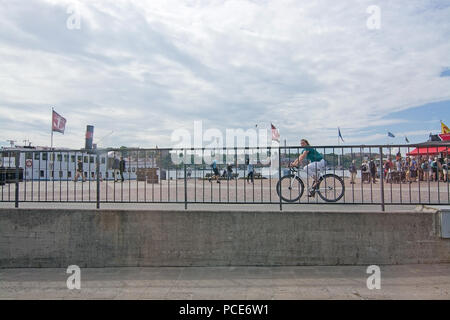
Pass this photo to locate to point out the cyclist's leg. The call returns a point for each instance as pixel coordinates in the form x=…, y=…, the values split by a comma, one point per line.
x=312, y=171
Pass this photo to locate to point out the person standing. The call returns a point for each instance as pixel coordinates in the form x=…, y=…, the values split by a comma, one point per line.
x=116, y=166
x=365, y=174
x=413, y=170
x=80, y=171
x=122, y=168
x=230, y=171
x=353, y=172
x=373, y=170
x=445, y=169
x=388, y=167
x=425, y=169
x=435, y=170
x=407, y=169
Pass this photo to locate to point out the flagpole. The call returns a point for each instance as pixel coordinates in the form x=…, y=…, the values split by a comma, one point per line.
x=51, y=128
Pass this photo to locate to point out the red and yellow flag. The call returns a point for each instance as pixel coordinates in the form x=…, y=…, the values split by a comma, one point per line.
x=444, y=128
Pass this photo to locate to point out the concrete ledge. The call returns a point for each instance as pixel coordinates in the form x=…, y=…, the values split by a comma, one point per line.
x=57, y=238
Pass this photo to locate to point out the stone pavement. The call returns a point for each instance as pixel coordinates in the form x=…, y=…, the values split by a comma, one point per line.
x=230, y=283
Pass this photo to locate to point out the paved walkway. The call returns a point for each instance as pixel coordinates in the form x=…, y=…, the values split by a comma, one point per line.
x=230, y=283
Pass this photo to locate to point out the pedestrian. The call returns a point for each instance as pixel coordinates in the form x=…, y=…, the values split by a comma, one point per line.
x=230, y=171
x=445, y=169
x=122, y=168
x=353, y=172
x=80, y=171
x=407, y=169
x=434, y=169
x=216, y=174
x=365, y=175
x=373, y=170
x=413, y=170
x=250, y=170
x=426, y=169
x=116, y=166
x=388, y=167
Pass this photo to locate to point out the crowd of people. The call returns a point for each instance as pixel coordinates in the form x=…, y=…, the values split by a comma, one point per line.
x=407, y=169
x=420, y=168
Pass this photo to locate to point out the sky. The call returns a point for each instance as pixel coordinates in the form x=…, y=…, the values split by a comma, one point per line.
x=138, y=70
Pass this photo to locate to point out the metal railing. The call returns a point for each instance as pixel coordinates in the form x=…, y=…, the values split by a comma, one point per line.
x=396, y=174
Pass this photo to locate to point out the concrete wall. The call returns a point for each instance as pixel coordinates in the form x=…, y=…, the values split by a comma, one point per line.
x=89, y=238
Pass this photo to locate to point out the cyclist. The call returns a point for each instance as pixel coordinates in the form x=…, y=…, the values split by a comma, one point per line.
x=316, y=163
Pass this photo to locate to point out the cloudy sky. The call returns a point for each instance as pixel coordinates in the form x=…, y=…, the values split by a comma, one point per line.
x=141, y=69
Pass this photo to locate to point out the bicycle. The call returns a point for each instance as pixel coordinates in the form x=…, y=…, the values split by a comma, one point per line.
x=329, y=187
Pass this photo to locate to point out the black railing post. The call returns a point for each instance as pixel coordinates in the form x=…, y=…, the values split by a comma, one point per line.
x=97, y=169
x=279, y=176
x=185, y=188
x=382, y=179
x=17, y=160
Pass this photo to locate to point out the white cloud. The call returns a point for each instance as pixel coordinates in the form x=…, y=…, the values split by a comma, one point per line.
x=145, y=68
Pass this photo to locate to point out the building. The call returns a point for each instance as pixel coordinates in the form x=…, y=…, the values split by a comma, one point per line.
x=42, y=163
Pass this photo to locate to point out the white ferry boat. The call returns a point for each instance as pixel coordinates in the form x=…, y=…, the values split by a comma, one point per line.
x=42, y=163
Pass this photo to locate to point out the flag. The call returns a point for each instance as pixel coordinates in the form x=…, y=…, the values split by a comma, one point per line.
x=275, y=134
x=390, y=134
x=58, y=123
x=406, y=139
x=444, y=128
x=340, y=135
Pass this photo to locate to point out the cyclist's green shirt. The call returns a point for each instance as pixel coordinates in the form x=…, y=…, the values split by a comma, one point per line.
x=313, y=155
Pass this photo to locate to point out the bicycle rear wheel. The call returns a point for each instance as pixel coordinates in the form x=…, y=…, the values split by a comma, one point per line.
x=331, y=188
x=290, y=188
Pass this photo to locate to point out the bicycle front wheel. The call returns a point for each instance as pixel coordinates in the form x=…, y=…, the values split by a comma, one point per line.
x=290, y=188
x=331, y=188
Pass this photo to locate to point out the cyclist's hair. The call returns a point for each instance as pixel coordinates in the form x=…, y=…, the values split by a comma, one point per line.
x=306, y=141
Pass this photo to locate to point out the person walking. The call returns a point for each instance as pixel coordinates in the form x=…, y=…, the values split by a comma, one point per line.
x=251, y=171
x=216, y=174
x=122, y=168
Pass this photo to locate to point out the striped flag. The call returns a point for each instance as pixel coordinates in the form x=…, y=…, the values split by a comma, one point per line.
x=275, y=134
